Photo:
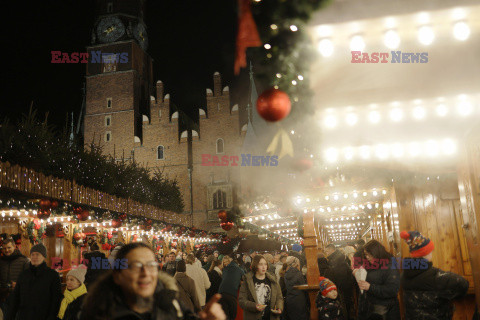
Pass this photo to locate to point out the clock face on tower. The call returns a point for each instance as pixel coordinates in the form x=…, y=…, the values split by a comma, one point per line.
x=141, y=35
x=110, y=29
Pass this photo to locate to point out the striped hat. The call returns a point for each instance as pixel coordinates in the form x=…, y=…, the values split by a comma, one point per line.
x=326, y=286
x=419, y=245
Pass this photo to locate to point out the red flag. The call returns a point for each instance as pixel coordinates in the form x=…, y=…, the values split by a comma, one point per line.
x=247, y=35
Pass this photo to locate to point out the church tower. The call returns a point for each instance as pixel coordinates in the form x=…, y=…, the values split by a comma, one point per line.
x=118, y=78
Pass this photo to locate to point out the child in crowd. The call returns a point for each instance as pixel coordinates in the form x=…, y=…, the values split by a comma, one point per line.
x=327, y=301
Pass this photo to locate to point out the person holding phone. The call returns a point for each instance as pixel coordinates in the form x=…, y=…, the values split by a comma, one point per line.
x=260, y=293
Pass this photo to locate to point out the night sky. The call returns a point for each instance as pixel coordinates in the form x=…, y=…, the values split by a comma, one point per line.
x=188, y=41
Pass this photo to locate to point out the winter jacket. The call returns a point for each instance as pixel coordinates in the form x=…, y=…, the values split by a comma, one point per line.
x=340, y=273
x=215, y=278
x=328, y=308
x=428, y=293
x=247, y=299
x=383, y=291
x=187, y=292
x=93, y=274
x=106, y=301
x=11, y=266
x=296, y=301
x=323, y=266
x=170, y=268
x=36, y=296
x=200, y=278
x=73, y=309
x=231, y=277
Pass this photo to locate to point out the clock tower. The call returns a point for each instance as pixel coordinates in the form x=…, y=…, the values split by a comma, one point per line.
x=118, y=78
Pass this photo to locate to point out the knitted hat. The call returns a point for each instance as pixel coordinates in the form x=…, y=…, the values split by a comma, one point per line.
x=326, y=286
x=40, y=248
x=419, y=245
x=292, y=262
x=296, y=247
x=78, y=273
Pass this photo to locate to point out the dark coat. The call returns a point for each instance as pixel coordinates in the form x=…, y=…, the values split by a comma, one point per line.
x=93, y=274
x=10, y=268
x=323, y=266
x=340, y=273
x=296, y=301
x=383, y=292
x=215, y=280
x=170, y=268
x=187, y=292
x=37, y=295
x=247, y=298
x=328, y=308
x=428, y=293
x=73, y=309
x=106, y=301
x=231, y=277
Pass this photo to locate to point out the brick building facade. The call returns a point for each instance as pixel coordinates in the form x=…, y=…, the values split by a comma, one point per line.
x=130, y=117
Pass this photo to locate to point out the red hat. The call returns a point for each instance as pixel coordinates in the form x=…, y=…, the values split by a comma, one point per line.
x=419, y=245
x=326, y=286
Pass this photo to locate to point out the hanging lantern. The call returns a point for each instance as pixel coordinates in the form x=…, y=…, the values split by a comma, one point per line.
x=83, y=215
x=43, y=214
x=116, y=223
x=45, y=204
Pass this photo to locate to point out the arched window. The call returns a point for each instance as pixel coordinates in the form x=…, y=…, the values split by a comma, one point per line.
x=219, y=200
x=160, y=154
x=219, y=145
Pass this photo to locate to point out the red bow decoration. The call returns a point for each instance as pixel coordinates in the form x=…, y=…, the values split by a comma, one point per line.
x=247, y=35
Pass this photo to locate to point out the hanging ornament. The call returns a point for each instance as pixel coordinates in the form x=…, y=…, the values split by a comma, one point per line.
x=109, y=235
x=116, y=223
x=227, y=226
x=83, y=215
x=54, y=204
x=43, y=214
x=273, y=105
x=77, y=236
x=45, y=204
x=122, y=217
x=222, y=215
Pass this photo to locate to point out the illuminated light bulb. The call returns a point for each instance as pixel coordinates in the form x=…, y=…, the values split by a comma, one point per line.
x=449, y=147
x=355, y=195
x=396, y=114
x=279, y=76
x=365, y=152
x=376, y=205
x=391, y=39
x=267, y=46
x=374, y=117
x=273, y=27
x=432, y=148
x=351, y=119
x=300, y=77
x=364, y=193
x=369, y=206
x=397, y=150
x=442, y=110
x=325, y=46
x=414, y=149
x=384, y=191
x=375, y=193
x=330, y=121
x=419, y=113
x=461, y=31
x=426, y=35
x=293, y=28
x=345, y=196
x=292, y=132
x=294, y=82
x=18, y=213
x=464, y=108
x=250, y=220
x=381, y=151
x=357, y=43
x=331, y=154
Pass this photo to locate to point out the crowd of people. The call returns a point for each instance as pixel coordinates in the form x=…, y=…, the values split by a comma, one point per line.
x=357, y=282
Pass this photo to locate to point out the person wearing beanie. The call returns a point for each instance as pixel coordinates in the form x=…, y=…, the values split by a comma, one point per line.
x=428, y=291
x=327, y=301
x=38, y=292
x=74, y=293
x=95, y=264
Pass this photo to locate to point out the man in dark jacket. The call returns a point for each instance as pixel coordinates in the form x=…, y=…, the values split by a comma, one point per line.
x=171, y=266
x=428, y=291
x=12, y=263
x=340, y=274
x=37, y=293
x=231, y=276
x=95, y=265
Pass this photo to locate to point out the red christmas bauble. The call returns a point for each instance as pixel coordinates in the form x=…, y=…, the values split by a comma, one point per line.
x=45, y=203
x=123, y=217
x=273, y=105
x=77, y=236
x=109, y=235
x=83, y=235
x=54, y=204
x=116, y=223
x=36, y=224
x=222, y=215
x=44, y=214
x=82, y=216
x=227, y=226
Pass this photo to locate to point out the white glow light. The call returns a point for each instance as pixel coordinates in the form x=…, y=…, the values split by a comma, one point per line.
x=365, y=152
x=267, y=46
x=331, y=121
x=442, y=110
x=464, y=108
x=331, y=154
x=348, y=152
x=397, y=150
x=374, y=117
x=391, y=39
x=396, y=114
x=381, y=151
x=432, y=148
x=449, y=147
x=357, y=43
x=414, y=149
x=419, y=113
x=352, y=119
x=461, y=31
x=426, y=35
x=325, y=46
x=293, y=28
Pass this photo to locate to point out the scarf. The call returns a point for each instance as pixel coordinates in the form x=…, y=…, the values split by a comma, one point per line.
x=218, y=270
x=69, y=296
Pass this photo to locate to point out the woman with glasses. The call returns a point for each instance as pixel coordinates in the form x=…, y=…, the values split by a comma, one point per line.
x=380, y=288
x=140, y=292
